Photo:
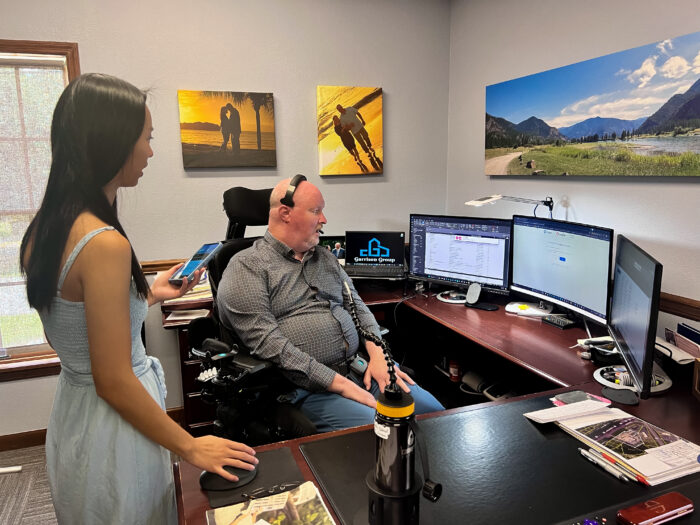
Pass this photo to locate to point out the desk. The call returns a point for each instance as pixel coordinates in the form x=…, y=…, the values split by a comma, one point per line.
x=504, y=459
x=541, y=348
x=529, y=344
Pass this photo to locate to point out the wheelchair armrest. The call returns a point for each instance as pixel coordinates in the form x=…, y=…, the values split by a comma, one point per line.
x=252, y=364
x=230, y=356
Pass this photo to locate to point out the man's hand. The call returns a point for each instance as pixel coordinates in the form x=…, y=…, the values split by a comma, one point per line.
x=349, y=390
x=377, y=370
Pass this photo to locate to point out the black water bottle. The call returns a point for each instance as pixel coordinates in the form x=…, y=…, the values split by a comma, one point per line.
x=395, y=452
x=393, y=484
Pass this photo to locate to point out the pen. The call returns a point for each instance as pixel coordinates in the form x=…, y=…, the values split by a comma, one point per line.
x=604, y=465
x=618, y=465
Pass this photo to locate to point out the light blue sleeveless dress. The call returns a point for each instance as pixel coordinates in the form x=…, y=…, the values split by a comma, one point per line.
x=101, y=469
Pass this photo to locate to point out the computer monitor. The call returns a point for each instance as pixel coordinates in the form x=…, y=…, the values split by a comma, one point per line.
x=634, y=311
x=459, y=251
x=375, y=255
x=563, y=263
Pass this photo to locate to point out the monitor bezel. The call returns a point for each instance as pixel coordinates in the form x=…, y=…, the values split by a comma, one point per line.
x=641, y=378
x=554, y=300
x=464, y=283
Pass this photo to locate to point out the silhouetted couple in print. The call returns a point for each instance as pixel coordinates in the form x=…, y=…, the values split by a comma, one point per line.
x=230, y=128
x=350, y=126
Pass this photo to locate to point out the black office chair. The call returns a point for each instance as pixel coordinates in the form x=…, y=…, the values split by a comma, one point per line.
x=245, y=389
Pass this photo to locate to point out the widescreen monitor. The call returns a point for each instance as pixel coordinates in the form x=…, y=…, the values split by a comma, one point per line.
x=634, y=311
x=563, y=263
x=460, y=250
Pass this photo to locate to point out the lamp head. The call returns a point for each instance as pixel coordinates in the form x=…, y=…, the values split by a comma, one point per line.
x=483, y=200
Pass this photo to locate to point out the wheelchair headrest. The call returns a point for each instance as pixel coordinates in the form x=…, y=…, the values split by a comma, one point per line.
x=246, y=207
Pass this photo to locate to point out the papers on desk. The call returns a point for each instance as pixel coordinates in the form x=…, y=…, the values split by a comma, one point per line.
x=560, y=413
x=199, y=293
x=303, y=504
x=652, y=454
x=186, y=315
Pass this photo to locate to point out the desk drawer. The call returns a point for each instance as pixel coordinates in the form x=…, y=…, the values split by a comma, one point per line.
x=196, y=410
x=190, y=370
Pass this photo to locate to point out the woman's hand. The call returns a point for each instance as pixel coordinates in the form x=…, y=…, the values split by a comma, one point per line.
x=162, y=290
x=212, y=453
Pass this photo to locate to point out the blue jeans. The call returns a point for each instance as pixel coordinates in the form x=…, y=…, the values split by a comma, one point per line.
x=329, y=411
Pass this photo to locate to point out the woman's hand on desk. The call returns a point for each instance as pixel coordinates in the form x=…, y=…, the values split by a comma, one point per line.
x=162, y=290
x=212, y=453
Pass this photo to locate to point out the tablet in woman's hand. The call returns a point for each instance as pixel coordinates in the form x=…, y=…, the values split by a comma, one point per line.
x=197, y=261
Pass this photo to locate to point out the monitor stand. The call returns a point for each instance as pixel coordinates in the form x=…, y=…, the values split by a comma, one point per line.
x=624, y=392
x=452, y=296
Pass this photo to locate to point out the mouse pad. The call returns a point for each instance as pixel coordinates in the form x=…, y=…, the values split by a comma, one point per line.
x=274, y=467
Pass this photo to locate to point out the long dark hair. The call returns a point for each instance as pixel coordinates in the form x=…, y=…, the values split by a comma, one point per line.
x=97, y=121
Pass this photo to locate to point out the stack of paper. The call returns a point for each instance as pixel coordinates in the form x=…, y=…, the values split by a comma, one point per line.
x=199, y=293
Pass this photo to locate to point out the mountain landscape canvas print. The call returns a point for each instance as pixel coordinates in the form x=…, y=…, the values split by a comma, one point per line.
x=632, y=113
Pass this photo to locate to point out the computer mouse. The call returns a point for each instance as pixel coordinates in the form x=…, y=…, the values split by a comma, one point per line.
x=211, y=481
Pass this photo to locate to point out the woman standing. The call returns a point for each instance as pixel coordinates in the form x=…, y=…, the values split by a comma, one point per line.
x=108, y=435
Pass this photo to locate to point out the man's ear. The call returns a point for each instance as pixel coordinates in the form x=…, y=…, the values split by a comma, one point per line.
x=284, y=213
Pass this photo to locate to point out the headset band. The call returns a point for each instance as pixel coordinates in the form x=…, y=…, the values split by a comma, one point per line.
x=288, y=200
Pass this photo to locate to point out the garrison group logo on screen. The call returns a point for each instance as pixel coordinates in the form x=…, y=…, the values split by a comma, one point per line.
x=374, y=249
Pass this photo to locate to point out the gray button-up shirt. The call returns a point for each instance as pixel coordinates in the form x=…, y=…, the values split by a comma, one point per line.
x=291, y=312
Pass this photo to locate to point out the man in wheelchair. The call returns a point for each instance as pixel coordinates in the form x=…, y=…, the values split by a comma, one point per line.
x=285, y=300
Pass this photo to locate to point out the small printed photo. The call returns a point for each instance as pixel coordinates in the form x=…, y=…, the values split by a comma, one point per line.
x=227, y=129
x=350, y=140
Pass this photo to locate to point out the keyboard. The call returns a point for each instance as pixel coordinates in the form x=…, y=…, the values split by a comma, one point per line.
x=376, y=272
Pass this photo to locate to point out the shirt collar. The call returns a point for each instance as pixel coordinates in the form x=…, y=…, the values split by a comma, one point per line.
x=283, y=249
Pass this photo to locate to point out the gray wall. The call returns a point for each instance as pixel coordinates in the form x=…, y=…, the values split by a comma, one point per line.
x=493, y=42
x=286, y=47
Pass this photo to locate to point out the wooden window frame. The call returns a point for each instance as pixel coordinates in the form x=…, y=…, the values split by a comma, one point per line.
x=37, y=360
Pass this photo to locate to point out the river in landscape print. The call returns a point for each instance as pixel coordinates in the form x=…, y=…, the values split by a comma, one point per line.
x=666, y=145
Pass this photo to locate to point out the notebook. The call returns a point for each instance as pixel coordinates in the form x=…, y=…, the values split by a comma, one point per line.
x=375, y=255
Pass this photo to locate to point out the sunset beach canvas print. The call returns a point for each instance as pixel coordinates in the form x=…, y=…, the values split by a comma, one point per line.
x=636, y=112
x=350, y=140
x=227, y=129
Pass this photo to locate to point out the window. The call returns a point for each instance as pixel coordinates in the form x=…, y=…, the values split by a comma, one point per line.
x=32, y=77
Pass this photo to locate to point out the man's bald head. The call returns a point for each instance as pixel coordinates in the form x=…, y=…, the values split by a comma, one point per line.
x=299, y=226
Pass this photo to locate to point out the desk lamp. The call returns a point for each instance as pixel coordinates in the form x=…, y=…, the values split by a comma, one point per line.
x=520, y=308
x=547, y=201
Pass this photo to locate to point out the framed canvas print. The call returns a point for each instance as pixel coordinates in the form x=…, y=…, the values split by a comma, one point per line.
x=350, y=140
x=635, y=112
x=227, y=129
